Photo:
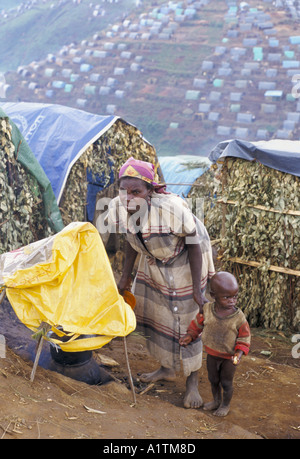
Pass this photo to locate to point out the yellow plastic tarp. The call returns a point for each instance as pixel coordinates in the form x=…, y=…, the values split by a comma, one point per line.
x=66, y=280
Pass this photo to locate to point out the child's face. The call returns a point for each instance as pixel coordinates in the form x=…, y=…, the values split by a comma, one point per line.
x=225, y=297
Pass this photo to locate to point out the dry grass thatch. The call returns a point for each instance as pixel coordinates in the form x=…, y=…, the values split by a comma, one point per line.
x=252, y=212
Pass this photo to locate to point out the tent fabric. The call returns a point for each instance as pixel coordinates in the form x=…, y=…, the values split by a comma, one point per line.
x=282, y=155
x=57, y=135
x=178, y=176
x=29, y=162
x=95, y=185
x=57, y=280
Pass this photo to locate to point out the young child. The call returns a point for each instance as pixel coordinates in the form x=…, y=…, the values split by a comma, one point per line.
x=226, y=337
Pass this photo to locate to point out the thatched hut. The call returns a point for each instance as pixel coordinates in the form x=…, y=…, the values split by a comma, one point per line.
x=81, y=153
x=28, y=209
x=252, y=212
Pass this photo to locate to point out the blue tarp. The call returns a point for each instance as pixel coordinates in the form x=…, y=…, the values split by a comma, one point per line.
x=25, y=156
x=58, y=136
x=178, y=177
x=282, y=155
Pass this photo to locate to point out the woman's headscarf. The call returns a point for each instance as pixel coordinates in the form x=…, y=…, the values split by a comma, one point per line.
x=142, y=170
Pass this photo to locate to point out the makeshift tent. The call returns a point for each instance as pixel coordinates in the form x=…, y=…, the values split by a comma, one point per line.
x=252, y=212
x=28, y=208
x=180, y=172
x=79, y=147
x=278, y=154
x=57, y=136
x=55, y=279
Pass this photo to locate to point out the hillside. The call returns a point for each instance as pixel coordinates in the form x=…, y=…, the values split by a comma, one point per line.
x=44, y=26
x=188, y=75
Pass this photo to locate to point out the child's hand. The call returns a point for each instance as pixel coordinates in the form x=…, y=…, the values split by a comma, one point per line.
x=185, y=340
x=236, y=358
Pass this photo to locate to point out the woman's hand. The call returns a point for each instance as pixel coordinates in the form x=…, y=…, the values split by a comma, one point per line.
x=195, y=259
x=124, y=284
x=126, y=278
x=200, y=299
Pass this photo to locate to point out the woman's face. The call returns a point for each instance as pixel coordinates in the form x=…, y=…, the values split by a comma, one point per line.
x=133, y=193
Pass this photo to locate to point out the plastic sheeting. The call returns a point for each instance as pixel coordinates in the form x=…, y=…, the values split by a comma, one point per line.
x=282, y=155
x=57, y=135
x=178, y=176
x=66, y=280
x=26, y=157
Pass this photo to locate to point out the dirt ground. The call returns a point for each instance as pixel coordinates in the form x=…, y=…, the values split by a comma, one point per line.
x=265, y=404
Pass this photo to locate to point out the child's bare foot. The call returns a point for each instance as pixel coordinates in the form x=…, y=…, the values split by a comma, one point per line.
x=167, y=374
x=210, y=406
x=192, y=398
x=222, y=411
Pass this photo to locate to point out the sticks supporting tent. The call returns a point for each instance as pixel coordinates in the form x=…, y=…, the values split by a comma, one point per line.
x=2, y=294
x=129, y=371
x=42, y=331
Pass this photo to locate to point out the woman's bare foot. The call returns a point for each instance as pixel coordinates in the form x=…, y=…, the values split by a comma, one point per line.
x=222, y=411
x=166, y=374
x=192, y=398
x=210, y=406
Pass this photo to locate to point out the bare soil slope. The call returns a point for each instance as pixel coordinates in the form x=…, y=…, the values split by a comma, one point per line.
x=265, y=403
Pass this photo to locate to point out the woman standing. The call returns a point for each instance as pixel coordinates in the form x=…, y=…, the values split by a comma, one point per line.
x=174, y=266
